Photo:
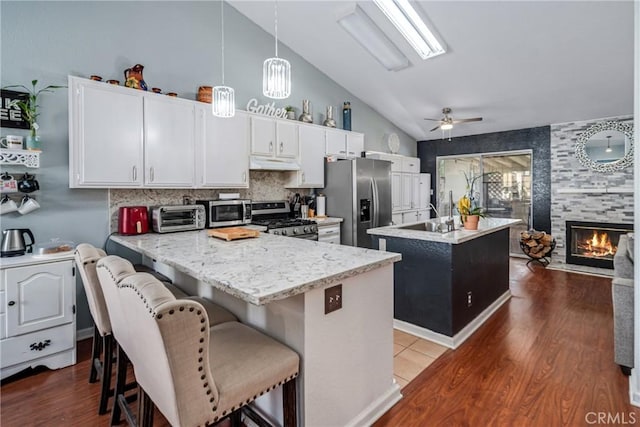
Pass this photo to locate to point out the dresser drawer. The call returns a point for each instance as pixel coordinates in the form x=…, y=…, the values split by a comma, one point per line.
x=34, y=345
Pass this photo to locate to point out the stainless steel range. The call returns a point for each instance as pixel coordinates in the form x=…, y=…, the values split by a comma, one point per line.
x=276, y=216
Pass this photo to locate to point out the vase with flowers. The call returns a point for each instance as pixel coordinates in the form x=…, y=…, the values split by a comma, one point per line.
x=468, y=207
x=29, y=109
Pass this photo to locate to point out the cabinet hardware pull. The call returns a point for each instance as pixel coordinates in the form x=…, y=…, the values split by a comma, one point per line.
x=12, y=303
x=281, y=146
x=270, y=146
x=135, y=173
x=302, y=176
x=151, y=173
x=40, y=346
x=244, y=177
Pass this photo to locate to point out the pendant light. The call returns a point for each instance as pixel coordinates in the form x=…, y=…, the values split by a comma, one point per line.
x=608, y=149
x=223, y=98
x=276, y=72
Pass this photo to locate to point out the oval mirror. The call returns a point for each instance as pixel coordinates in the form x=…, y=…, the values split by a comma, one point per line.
x=606, y=146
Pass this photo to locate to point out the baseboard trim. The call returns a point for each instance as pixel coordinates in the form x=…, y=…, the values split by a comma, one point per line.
x=378, y=407
x=83, y=334
x=455, y=341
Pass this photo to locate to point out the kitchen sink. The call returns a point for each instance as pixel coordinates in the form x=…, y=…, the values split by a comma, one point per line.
x=431, y=226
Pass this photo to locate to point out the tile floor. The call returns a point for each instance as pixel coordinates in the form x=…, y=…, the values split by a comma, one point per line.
x=411, y=355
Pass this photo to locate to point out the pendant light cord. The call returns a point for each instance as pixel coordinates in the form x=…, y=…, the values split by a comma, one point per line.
x=276, y=21
x=222, y=37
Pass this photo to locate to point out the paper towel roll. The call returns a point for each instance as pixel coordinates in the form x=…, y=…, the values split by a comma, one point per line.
x=321, y=205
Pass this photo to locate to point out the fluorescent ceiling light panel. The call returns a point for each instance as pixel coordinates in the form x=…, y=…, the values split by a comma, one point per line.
x=411, y=26
x=365, y=31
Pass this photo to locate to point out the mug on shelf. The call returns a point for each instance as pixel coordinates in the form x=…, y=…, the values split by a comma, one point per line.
x=8, y=184
x=12, y=142
x=28, y=184
x=28, y=204
x=7, y=205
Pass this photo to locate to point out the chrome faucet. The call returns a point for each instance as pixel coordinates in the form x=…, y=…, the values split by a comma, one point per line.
x=449, y=222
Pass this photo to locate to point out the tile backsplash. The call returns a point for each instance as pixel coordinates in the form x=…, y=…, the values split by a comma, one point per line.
x=263, y=185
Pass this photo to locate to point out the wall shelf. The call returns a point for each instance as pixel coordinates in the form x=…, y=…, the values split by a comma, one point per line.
x=28, y=158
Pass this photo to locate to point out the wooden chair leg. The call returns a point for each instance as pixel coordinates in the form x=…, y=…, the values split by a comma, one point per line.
x=289, y=403
x=145, y=409
x=95, y=355
x=105, y=375
x=121, y=379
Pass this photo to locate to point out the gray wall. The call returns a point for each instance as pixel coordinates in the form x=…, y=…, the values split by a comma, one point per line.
x=179, y=45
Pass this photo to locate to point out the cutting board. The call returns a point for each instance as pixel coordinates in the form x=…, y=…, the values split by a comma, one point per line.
x=232, y=233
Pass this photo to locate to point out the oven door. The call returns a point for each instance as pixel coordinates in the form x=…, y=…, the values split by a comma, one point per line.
x=307, y=237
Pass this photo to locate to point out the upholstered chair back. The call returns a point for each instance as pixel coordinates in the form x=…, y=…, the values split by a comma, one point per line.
x=167, y=341
x=87, y=256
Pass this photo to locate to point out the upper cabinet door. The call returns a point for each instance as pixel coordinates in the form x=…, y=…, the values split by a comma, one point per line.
x=407, y=193
x=396, y=191
x=415, y=191
x=311, y=173
x=336, y=143
x=169, y=142
x=263, y=136
x=411, y=164
x=105, y=135
x=287, y=139
x=355, y=144
x=224, y=150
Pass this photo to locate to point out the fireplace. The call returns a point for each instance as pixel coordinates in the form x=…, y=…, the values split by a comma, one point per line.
x=593, y=243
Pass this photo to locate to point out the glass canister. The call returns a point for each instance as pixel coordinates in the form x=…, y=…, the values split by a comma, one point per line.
x=346, y=116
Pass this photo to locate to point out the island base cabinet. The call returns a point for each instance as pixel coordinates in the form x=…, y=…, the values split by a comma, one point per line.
x=346, y=356
x=38, y=320
x=443, y=287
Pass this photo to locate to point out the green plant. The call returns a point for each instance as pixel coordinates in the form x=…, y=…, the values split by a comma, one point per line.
x=288, y=108
x=468, y=205
x=29, y=107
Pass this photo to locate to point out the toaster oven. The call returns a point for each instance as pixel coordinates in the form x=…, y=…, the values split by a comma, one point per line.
x=167, y=219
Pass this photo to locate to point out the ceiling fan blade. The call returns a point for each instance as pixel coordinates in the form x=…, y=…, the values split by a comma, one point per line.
x=474, y=119
x=433, y=120
x=435, y=128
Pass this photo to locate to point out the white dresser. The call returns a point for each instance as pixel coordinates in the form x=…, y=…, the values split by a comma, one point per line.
x=37, y=313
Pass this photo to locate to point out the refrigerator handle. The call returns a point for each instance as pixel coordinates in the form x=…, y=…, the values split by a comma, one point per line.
x=374, y=192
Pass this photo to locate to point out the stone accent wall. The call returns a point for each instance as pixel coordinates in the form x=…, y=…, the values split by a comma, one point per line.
x=263, y=186
x=568, y=173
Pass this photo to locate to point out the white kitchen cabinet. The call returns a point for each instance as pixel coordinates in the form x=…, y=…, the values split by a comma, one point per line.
x=169, y=143
x=424, y=196
x=396, y=191
x=424, y=215
x=310, y=158
x=396, y=218
x=395, y=159
x=38, y=321
x=411, y=164
x=407, y=191
x=415, y=191
x=105, y=135
x=126, y=138
x=355, y=144
x=329, y=233
x=336, y=143
x=222, y=150
x=273, y=138
x=410, y=216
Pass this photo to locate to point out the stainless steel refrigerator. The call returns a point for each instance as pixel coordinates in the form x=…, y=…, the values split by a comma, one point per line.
x=359, y=191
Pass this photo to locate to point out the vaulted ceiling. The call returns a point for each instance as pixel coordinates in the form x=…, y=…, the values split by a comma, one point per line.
x=517, y=64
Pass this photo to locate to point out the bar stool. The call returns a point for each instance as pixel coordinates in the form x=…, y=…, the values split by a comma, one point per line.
x=194, y=374
x=103, y=345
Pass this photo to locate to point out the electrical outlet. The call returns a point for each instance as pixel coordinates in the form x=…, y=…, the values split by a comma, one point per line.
x=332, y=299
x=469, y=299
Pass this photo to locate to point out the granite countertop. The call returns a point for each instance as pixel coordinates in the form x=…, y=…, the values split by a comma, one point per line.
x=460, y=235
x=257, y=270
x=329, y=220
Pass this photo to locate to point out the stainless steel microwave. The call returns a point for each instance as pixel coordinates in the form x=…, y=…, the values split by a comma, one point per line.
x=223, y=213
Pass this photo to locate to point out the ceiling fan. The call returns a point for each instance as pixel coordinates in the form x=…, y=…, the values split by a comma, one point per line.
x=447, y=122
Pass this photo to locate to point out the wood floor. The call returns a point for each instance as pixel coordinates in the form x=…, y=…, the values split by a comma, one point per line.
x=544, y=359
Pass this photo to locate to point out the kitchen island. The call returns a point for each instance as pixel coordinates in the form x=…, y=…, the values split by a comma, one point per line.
x=447, y=284
x=277, y=284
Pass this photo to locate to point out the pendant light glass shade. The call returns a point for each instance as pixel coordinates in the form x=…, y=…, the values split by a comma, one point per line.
x=276, y=72
x=276, y=78
x=223, y=98
x=223, y=101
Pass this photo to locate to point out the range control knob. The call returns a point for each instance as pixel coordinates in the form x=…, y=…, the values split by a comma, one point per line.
x=295, y=231
x=284, y=232
x=276, y=232
x=306, y=229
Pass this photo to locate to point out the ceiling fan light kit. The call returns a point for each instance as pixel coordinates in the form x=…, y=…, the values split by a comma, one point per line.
x=447, y=122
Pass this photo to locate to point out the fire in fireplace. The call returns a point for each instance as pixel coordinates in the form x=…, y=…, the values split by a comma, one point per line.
x=592, y=243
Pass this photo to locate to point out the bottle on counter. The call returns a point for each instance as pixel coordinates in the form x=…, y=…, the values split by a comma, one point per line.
x=346, y=116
